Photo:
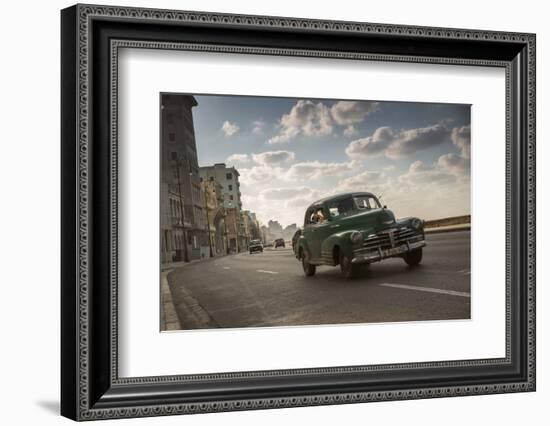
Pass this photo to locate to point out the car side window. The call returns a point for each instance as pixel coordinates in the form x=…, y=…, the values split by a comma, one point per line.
x=318, y=216
x=309, y=216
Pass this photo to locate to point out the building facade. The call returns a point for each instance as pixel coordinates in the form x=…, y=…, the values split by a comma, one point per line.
x=215, y=216
x=228, y=180
x=184, y=234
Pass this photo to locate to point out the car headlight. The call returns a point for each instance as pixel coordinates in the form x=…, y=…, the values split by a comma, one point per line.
x=356, y=238
x=416, y=223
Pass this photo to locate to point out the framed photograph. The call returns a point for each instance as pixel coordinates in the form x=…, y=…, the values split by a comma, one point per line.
x=263, y=212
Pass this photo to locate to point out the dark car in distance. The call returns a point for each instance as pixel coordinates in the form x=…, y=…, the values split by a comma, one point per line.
x=255, y=246
x=354, y=229
x=279, y=242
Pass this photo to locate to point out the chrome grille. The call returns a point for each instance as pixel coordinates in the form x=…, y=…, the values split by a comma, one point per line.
x=390, y=238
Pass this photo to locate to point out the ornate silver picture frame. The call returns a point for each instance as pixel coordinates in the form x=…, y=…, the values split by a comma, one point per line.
x=91, y=38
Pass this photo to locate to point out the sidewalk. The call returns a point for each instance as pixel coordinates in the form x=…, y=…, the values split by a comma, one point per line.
x=174, y=265
x=169, y=319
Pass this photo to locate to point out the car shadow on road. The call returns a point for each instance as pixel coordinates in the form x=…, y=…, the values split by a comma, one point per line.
x=368, y=274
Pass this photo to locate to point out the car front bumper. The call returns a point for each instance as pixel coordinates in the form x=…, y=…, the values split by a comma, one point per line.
x=375, y=255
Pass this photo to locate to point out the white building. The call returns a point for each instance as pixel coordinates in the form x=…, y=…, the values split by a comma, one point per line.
x=228, y=178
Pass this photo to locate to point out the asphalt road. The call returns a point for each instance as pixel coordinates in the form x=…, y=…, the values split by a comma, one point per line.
x=270, y=289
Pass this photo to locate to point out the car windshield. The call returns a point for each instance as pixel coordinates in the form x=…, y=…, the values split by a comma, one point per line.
x=255, y=242
x=352, y=204
x=366, y=202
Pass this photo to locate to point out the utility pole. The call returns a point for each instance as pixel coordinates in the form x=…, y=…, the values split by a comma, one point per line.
x=208, y=219
x=182, y=211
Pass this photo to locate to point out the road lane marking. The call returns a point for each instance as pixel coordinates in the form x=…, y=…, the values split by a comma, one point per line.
x=266, y=272
x=464, y=272
x=427, y=289
x=226, y=267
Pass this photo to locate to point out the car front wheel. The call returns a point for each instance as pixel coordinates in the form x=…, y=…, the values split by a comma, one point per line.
x=414, y=257
x=309, y=269
x=349, y=270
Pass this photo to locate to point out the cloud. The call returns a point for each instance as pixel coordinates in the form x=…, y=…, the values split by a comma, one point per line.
x=365, y=178
x=279, y=194
x=350, y=131
x=317, y=169
x=295, y=199
x=306, y=118
x=346, y=113
x=461, y=138
x=373, y=145
x=422, y=174
x=238, y=159
x=229, y=129
x=413, y=140
x=286, y=205
x=369, y=180
x=259, y=174
x=385, y=141
x=302, y=202
x=454, y=164
x=273, y=157
x=258, y=127
x=262, y=167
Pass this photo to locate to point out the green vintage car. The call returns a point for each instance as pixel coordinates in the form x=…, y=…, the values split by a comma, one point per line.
x=354, y=229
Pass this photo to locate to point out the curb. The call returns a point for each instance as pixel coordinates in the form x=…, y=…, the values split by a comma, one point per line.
x=176, y=265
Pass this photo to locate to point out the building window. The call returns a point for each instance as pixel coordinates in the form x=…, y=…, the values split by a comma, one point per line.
x=174, y=155
x=231, y=197
x=211, y=178
x=171, y=137
x=231, y=187
x=228, y=176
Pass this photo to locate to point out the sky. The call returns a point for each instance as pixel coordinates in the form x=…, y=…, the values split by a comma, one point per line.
x=292, y=151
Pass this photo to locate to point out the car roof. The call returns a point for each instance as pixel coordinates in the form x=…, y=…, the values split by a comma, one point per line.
x=340, y=196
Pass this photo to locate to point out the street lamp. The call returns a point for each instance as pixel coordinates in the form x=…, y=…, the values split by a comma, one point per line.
x=208, y=220
x=182, y=210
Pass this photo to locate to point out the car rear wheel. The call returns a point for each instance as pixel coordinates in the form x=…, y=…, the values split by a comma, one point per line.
x=309, y=269
x=414, y=257
x=349, y=270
